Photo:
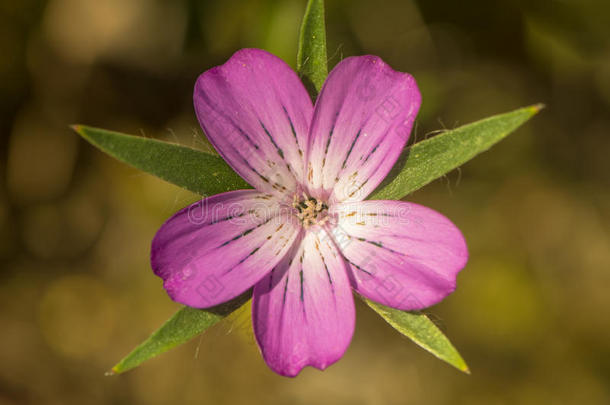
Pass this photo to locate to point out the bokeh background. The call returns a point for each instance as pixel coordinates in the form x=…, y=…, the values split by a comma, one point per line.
x=531, y=311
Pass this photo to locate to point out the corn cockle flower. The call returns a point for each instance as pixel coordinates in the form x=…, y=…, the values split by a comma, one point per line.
x=303, y=238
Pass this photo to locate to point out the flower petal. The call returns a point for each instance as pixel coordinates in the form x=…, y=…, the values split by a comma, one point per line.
x=361, y=122
x=401, y=254
x=217, y=248
x=303, y=311
x=256, y=112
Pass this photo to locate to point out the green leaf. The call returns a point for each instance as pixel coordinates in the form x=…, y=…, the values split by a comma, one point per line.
x=311, y=55
x=197, y=171
x=430, y=159
x=421, y=330
x=180, y=328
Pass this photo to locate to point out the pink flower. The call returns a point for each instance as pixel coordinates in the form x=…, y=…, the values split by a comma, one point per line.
x=304, y=237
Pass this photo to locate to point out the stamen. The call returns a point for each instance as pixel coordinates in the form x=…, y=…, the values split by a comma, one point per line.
x=310, y=211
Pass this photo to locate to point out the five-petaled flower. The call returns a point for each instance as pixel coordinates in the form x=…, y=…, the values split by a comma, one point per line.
x=304, y=237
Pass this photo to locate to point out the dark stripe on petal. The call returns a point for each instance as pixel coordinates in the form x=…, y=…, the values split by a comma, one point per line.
x=301, y=276
x=245, y=161
x=277, y=148
x=256, y=249
x=371, y=152
x=275, y=185
x=349, y=152
x=370, y=214
x=330, y=279
x=380, y=245
x=245, y=135
x=246, y=232
x=228, y=119
x=230, y=217
x=330, y=136
x=285, y=289
x=359, y=188
x=271, y=278
x=244, y=259
x=366, y=181
x=356, y=266
x=294, y=133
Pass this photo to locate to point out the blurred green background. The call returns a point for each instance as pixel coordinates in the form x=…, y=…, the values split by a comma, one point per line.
x=531, y=311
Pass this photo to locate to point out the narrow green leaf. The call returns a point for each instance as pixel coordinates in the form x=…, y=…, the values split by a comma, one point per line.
x=430, y=159
x=180, y=328
x=311, y=55
x=421, y=330
x=199, y=172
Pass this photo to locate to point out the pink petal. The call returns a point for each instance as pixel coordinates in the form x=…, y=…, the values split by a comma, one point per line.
x=303, y=311
x=214, y=250
x=256, y=112
x=361, y=122
x=401, y=254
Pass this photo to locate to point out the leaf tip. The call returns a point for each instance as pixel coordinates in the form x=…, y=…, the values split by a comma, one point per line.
x=535, y=109
x=77, y=128
x=112, y=372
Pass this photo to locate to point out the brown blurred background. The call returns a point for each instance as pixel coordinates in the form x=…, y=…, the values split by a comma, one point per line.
x=531, y=311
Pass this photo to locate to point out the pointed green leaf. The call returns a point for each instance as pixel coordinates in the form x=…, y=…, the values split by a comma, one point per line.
x=180, y=328
x=430, y=159
x=197, y=171
x=421, y=330
x=311, y=55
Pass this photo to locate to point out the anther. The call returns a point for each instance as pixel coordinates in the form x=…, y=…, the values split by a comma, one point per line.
x=310, y=211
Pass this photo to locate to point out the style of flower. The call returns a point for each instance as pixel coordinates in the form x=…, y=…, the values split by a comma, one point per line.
x=303, y=238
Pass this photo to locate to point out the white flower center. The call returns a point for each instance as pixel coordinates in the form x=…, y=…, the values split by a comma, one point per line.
x=310, y=211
